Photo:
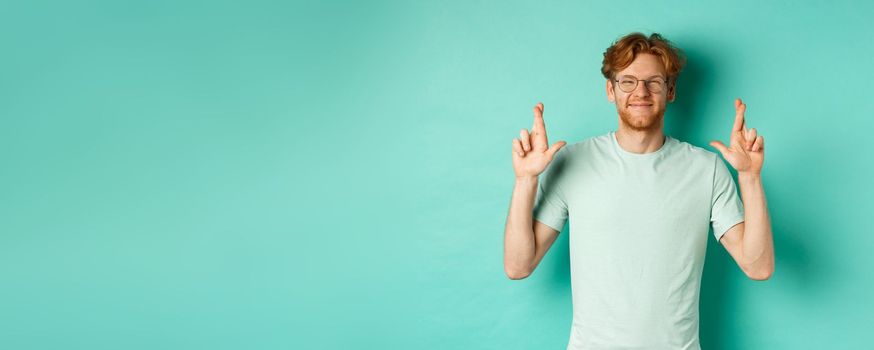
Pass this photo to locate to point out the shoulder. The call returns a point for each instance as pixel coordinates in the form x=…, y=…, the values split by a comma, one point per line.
x=589, y=145
x=574, y=157
x=695, y=154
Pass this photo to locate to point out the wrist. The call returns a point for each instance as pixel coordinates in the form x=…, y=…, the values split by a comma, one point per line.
x=526, y=180
x=748, y=176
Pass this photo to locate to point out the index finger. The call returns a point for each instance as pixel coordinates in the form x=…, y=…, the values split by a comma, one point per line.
x=539, y=127
x=739, y=108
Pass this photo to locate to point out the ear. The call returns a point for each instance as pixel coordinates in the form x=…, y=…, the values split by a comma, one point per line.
x=610, y=95
x=672, y=91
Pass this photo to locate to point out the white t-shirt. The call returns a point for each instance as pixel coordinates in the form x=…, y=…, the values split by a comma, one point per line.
x=638, y=235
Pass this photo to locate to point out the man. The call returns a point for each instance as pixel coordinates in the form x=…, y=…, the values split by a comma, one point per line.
x=639, y=205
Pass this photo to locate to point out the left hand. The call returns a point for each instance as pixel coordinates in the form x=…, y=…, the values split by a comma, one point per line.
x=747, y=151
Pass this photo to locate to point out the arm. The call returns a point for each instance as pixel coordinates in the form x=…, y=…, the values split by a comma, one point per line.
x=751, y=242
x=525, y=240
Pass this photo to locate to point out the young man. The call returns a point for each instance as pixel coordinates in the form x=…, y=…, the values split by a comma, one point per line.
x=640, y=204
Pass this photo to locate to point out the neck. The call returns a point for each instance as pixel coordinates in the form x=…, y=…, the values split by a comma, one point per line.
x=640, y=141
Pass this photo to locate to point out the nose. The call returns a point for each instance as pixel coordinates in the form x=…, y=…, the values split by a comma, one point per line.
x=640, y=90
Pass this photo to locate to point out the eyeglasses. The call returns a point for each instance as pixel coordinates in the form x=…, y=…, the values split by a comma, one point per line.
x=628, y=83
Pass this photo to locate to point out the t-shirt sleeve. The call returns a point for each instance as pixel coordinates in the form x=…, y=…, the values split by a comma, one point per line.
x=726, y=208
x=550, y=206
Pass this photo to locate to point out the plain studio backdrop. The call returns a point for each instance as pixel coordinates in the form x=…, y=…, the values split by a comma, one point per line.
x=330, y=175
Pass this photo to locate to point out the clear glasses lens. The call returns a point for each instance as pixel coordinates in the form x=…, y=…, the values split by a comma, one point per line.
x=627, y=84
x=655, y=85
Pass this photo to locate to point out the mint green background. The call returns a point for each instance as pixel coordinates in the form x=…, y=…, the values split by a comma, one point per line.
x=318, y=175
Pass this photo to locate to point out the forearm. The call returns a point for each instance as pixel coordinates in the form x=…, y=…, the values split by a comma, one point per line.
x=519, y=242
x=758, y=240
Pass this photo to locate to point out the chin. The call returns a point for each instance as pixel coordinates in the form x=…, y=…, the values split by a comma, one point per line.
x=641, y=122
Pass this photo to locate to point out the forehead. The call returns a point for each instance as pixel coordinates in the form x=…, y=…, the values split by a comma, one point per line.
x=644, y=66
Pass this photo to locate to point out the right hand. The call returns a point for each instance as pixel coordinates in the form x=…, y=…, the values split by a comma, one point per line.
x=530, y=153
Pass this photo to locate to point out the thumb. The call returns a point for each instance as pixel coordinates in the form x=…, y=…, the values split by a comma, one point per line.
x=719, y=146
x=555, y=147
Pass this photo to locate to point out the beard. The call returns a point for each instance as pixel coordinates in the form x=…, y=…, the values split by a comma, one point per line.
x=642, y=121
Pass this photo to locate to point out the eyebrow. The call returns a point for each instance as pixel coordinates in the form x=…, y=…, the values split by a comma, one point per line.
x=650, y=77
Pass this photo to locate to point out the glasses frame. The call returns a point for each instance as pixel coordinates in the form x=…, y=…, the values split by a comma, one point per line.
x=645, y=82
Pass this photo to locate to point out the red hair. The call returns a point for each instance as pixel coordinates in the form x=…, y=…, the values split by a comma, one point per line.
x=625, y=50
